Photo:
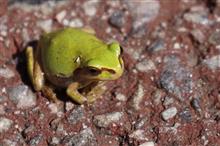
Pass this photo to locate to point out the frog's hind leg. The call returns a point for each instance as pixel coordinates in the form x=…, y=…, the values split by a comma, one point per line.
x=34, y=69
x=36, y=74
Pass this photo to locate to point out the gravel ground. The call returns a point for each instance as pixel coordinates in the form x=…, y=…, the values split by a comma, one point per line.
x=169, y=94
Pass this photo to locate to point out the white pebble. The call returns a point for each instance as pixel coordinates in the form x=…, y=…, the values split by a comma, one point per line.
x=76, y=23
x=121, y=97
x=176, y=46
x=6, y=72
x=150, y=143
x=22, y=96
x=45, y=25
x=90, y=7
x=146, y=65
x=5, y=124
x=169, y=113
x=60, y=16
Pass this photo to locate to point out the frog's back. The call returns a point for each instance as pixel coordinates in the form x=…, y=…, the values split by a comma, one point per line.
x=60, y=49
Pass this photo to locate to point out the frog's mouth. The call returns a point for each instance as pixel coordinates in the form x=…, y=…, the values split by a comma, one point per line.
x=103, y=74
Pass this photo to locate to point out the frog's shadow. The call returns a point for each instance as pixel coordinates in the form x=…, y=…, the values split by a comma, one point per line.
x=21, y=67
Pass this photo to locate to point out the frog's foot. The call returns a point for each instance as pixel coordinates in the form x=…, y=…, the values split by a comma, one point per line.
x=95, y=92
x=49, y=93
x=72, y=91
x=34, y=69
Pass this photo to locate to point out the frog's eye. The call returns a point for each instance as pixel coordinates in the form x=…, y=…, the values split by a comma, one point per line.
x=94, y=71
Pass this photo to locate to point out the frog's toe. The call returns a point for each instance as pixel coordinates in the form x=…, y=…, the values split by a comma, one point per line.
x=49, y=93
x=79, y=99
x=92, y=98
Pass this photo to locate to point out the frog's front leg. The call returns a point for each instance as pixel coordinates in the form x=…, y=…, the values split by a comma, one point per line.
x=72, y=91
x=94, y=91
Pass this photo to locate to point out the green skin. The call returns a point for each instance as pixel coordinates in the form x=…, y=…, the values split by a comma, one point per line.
x=73, y=58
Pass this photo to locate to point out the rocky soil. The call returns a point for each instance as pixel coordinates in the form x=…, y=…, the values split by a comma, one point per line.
x=169, y=94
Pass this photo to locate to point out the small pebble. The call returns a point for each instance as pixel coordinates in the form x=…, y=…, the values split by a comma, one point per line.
x=168, y=101
x=60, y=16
x=76, y=115
x=55, y=141
x=35, y=140
x=215, y=38
x=6, y=72
x=186, y=115
x=2, y=110
x=176, y=78
x=138, y=97
x=3, y=98
x=84, y=138
x=22, y=96
x=121, y=97
x=198, y=35
x=143, y=11
x=3, y=33
x=76, y=23
x=135, y=54
x=90, y=7
x=145, y=65
x=169, y=113
x=140, y=123
x=117, y=19
x=8, y=142
x=196, y=104
x=27, y=131
x=105, y=120
x=5, y=124
x=138, y=135
x=69, y=106
x=197, y=14
x=53, y=108
x=65, y=22
x=57, y=126
x=156, y=46
x=176, y=46
x=157, y=96
x=150, y=143
x=213, y=62
x=25, y=35
x=45, y=25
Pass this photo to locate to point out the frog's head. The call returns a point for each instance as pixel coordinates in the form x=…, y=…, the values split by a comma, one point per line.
x=107, y=64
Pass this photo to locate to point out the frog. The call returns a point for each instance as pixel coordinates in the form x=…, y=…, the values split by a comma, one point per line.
x=72, y=59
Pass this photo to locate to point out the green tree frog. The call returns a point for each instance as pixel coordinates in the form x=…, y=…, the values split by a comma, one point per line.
x=74, y=59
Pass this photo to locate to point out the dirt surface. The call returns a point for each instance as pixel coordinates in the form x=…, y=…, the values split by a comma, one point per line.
x=169, y=94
